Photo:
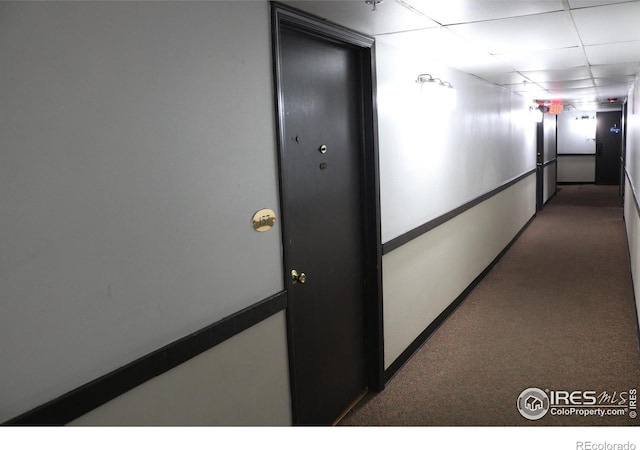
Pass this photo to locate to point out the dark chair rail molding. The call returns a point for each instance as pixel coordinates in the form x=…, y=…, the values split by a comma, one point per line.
x=72, y=405
x=426, y=227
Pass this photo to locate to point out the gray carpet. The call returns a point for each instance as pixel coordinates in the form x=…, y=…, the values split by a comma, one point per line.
x=556, y=313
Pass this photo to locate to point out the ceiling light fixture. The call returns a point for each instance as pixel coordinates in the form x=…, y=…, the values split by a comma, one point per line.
x=373, y=3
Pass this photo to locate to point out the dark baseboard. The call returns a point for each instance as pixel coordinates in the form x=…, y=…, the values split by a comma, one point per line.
x=74, y=404
x=424, y=336
x=573, y=183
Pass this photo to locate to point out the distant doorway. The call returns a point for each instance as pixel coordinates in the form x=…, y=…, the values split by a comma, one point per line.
x=608, y=147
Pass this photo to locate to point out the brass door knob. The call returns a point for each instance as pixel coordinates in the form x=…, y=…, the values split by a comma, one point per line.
x=298, y=277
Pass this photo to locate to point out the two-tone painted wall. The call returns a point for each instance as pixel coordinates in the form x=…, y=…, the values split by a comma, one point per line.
x=577, y=147
x=434, y=160
x=137, y=140
x=632, y=183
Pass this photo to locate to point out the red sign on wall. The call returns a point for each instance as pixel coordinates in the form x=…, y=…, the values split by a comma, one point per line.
x=555, y=108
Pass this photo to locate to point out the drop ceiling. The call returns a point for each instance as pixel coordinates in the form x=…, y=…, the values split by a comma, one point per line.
x=582, y=52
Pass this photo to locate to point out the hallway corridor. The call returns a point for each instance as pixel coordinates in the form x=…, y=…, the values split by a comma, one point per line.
x=556, y=313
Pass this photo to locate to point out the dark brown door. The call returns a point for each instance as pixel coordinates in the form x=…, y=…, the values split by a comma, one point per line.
x=322, y=186
x=608, y=147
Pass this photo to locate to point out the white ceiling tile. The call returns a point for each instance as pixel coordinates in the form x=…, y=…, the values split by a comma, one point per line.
x=580, y=104
x=616, y=69
x=520, y=34
x=572, y=73
x=613, y=81
x=461, y=11
x=608, y=24
x=613, y=91
x=574, y=93
x=508, y=41
x=585, y=106
x=435, y=41
x=545, y=60
x=502, y=77
x=446, y=47
x=568, y=84
x=415, y=40
x=389, y=17
x=533, y=95
x=621, y=53
x=474, y=62
x=525, y=87
x=590, y=3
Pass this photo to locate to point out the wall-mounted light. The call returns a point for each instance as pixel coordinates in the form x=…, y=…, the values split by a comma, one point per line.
x=439, y=91
x=536, y=113
x=426, y=78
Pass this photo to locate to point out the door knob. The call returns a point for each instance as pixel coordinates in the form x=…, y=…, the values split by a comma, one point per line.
x=298, y=277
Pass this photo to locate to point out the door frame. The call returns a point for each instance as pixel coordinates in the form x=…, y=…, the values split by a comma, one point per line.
x=540, y=165
x=285, y=16
x=599, y=131
x=623, y=151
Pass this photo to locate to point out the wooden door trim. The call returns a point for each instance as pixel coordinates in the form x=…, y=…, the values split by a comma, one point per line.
x=599, y=158
x=539, y=165
x=286, y=17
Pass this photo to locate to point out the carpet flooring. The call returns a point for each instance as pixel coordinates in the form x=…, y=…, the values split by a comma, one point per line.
x=556, y=313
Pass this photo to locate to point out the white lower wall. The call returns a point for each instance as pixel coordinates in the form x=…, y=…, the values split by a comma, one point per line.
x=424, y=276
x=577, y=169
x=632, y=223
x=243, y=381
x=549, y=181
x=632, y=181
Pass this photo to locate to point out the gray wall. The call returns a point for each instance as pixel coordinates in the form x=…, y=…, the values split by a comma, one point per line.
x=550, y=137
x=433, y=160
x=575, y=134
x=137, y=142
x=632, y=184
x=550, y=151
x=577, y=147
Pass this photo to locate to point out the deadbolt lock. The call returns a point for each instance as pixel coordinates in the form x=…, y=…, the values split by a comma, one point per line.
x=298, y=277
x=323, y=149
